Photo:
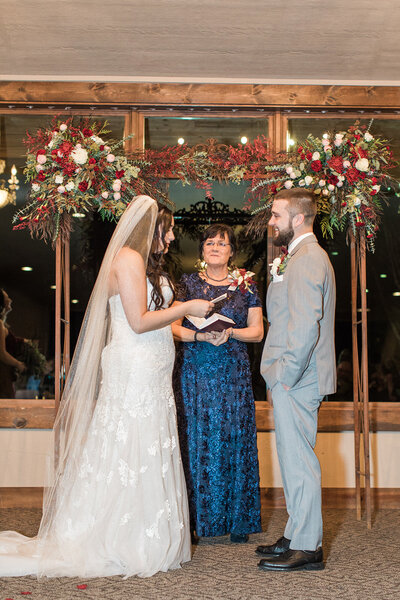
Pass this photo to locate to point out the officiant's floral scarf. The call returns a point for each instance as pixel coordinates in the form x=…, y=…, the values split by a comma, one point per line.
x=279, y=263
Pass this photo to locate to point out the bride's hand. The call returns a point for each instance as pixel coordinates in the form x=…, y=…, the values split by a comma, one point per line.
x=198, y=308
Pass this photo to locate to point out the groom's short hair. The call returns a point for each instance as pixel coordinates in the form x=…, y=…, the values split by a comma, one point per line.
x=300, y=201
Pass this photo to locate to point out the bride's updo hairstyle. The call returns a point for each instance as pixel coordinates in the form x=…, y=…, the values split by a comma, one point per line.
x=155, y=264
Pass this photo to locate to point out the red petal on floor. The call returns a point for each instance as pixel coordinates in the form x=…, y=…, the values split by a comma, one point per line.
x=83, y=586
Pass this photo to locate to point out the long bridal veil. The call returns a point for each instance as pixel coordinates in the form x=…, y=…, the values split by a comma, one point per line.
x=135, y=229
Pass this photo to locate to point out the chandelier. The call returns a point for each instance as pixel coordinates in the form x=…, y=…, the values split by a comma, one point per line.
x=8, y=193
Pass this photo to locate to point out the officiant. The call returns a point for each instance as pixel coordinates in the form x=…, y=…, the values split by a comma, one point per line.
x=214, y=396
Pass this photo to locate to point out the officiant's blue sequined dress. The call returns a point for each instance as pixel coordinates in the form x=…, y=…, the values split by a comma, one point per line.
x=216, y=420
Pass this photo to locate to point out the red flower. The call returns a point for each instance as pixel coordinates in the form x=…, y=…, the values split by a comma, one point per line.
x=87, y=132
x=370, y=235
x=316, y=165
x=344, y=204
x=41, y=176
x=357, y=136
x=336, y=164
x=83, y=186
x=92, y=161
x=102, y=147
x=69, y=169
x=360, y=223
x=373, y=192
x=309, y=155
x=119, y=174
x=352, y=175
x=302, y=156
x=300, y=149
x=40, y=152
x=374, y=180
x=333, y=179
x=66, y=148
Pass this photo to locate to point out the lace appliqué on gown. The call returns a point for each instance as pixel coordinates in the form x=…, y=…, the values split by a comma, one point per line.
x=126, y=512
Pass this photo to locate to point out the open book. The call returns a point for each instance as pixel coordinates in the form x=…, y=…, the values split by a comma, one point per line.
x=215, y=322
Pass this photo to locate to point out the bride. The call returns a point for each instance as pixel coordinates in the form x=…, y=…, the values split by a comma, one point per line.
x=117, y=505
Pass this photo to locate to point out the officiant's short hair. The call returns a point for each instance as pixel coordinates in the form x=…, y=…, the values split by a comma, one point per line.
x=300, y=201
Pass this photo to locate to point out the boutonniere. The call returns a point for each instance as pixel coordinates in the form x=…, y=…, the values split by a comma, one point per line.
x=279, y=263
x=241, y=279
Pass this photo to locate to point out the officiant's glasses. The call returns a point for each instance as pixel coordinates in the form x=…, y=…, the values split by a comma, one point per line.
x=218, y=244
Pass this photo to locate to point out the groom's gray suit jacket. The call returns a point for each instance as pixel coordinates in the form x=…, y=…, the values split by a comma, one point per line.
x=300, y=349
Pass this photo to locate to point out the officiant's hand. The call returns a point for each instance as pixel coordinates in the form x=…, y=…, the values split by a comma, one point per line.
x=217, y=338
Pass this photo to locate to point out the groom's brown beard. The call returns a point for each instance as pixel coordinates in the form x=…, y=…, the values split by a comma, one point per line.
x=284, y=236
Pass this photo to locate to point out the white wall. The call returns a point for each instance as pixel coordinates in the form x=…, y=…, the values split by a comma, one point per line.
x=24, y=454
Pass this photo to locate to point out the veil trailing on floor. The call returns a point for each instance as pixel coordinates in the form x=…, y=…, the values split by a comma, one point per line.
x=135, y=230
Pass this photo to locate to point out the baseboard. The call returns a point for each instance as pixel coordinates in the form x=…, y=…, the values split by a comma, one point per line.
x=32, y=497
x=337, y=498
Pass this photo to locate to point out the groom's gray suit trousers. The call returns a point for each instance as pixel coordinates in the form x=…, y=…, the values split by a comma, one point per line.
x=295, y=416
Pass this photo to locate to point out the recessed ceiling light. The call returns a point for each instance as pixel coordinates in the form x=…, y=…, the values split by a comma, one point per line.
x=396, y=294
x=181, y=141
x=383, y=276
x=74, y=301
x=26, y=269
x=334, y=253
x=79, y=215
x=243, y=139
x=52, y=287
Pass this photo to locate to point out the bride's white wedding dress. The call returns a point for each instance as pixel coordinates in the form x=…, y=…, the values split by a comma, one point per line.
x=126, y=510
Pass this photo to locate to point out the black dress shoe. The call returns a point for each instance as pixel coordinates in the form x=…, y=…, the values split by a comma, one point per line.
x=294, y=560
x=276, y=549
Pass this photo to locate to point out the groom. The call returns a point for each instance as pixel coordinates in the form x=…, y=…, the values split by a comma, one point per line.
x=298, y=365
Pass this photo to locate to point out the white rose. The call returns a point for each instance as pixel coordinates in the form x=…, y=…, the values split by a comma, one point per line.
x=38, y=168
x=70, y=186
x=104, y=195
x=338, y=142
x=339, y=184
x=357, y=202
x=293, y=175
x=110, y=158
x=368, y=137
x=58, y=178
x=376, y=187
x=301, y=182
x=35, y=187
x=308, y=179
x=331, y=187
x=289, y=169
x=117, y=196
x=325, y=192
x=107, y=148
x=79, y=155
x=50, y=144
x=275, y=264
x=63, y=127
x=341, y=177
x=346, y=164
x=321, y=182
x=325, y=142
x=362, y=164
x=316, y=156
x=288, y=184
x=339, y=136
x=41, y=159
x=61, y=189
x=116, y=186
x=327, y=148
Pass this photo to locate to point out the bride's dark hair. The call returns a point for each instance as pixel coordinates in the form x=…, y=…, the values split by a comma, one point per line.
x=155, y=264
